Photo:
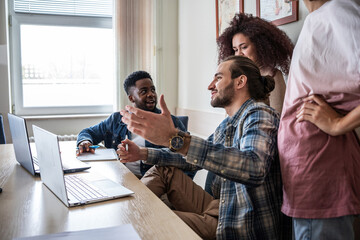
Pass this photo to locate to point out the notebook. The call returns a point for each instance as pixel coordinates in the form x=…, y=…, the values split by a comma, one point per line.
x=26, y=154
x=75, y=189
x=100, y=154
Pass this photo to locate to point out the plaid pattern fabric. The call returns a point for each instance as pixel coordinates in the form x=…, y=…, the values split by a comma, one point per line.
x=243, y=154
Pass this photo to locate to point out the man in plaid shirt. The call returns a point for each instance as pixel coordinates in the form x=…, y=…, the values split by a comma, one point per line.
x=242, y=153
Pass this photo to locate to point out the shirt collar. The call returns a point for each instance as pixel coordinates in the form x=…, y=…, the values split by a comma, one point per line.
x=234, y=119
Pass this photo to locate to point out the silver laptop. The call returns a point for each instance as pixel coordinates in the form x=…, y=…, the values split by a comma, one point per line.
x=74, y=189
x=25, y=152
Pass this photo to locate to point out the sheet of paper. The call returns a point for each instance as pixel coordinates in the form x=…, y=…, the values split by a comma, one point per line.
x=126, y=231
x=99, y=155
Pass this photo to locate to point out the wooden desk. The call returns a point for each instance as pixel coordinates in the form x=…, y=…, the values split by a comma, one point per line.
x=28, y=208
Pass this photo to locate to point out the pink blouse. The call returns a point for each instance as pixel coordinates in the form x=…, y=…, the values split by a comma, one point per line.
x=321, y=173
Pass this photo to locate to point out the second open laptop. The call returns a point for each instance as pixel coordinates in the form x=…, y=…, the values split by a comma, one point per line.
x=25, y=153
x=74, y=189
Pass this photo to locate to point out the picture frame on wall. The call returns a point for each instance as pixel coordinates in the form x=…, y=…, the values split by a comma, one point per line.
x=225, y=11
x=278, y=12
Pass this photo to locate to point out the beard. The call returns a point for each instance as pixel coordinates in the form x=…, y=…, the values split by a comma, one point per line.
x=224, y=97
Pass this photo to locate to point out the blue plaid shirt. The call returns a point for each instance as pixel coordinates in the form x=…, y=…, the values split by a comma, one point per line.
x=243, y=154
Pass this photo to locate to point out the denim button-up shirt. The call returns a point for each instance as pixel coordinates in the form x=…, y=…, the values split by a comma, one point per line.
x=243, y=154
x=112, y=131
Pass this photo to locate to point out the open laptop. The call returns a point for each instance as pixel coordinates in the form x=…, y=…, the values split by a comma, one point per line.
x=26, y=154
x=74, y=189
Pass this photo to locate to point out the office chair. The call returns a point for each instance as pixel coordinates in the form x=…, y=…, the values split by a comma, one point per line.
x=2, y=132
x=184, y=120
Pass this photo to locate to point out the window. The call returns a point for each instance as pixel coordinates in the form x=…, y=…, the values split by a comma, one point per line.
x=62, y=56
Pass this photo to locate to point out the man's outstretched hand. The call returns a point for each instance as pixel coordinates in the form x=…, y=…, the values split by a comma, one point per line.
x=156, y=128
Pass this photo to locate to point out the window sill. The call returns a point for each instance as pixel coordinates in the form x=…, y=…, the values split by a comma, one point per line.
x=70, y=116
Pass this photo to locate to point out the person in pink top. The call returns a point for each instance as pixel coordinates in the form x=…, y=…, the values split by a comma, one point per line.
x=318, y=147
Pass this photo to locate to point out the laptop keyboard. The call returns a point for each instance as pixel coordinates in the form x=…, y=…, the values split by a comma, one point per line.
x=81, y=189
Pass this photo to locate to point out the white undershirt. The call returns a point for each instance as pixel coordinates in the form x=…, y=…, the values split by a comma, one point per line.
x=134, y=167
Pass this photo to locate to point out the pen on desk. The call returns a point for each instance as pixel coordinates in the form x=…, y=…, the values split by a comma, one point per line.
x=92, y=146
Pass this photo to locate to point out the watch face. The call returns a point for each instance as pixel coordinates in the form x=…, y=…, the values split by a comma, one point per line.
x=177, y=142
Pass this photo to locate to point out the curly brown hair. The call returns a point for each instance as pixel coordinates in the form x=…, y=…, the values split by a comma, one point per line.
x=273, y=47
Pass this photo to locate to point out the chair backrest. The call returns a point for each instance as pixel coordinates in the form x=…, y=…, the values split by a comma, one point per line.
x=184, y=120
x=2, y=132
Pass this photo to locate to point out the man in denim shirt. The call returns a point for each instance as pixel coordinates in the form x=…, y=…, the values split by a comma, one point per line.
x=141, y=92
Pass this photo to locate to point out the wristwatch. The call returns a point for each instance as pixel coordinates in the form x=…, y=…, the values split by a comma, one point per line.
x=177, y=141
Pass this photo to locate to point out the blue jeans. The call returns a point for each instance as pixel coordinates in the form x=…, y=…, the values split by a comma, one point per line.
x=324, y=229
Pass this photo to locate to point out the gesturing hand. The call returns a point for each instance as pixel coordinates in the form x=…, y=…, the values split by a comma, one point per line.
x=156, y=128
x=318, y=112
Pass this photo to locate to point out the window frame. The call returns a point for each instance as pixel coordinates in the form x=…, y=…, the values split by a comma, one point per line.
x=15, y=21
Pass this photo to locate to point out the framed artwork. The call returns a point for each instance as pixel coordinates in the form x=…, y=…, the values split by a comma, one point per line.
x=225, y=11
x=278, y=12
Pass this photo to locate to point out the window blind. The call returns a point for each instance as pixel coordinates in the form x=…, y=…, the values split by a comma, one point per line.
x=97, y=8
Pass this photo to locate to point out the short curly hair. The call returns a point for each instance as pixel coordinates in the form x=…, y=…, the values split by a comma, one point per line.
x=273, y=47
x=131, y=80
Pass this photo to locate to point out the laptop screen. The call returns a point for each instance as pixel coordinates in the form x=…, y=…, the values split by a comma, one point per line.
x=20, y=140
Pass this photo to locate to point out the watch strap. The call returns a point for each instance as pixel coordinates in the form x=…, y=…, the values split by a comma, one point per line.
x=179, y=134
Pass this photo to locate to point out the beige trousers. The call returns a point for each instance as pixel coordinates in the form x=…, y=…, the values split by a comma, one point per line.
x=192, y=204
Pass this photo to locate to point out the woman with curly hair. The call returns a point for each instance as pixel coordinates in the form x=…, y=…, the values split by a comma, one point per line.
x=268, y=46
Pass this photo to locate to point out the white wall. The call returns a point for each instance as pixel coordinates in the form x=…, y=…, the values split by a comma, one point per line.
x=167, y=51
x=197, y=53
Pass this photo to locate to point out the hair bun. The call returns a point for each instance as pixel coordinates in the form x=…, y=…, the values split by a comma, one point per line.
x=268, y=82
